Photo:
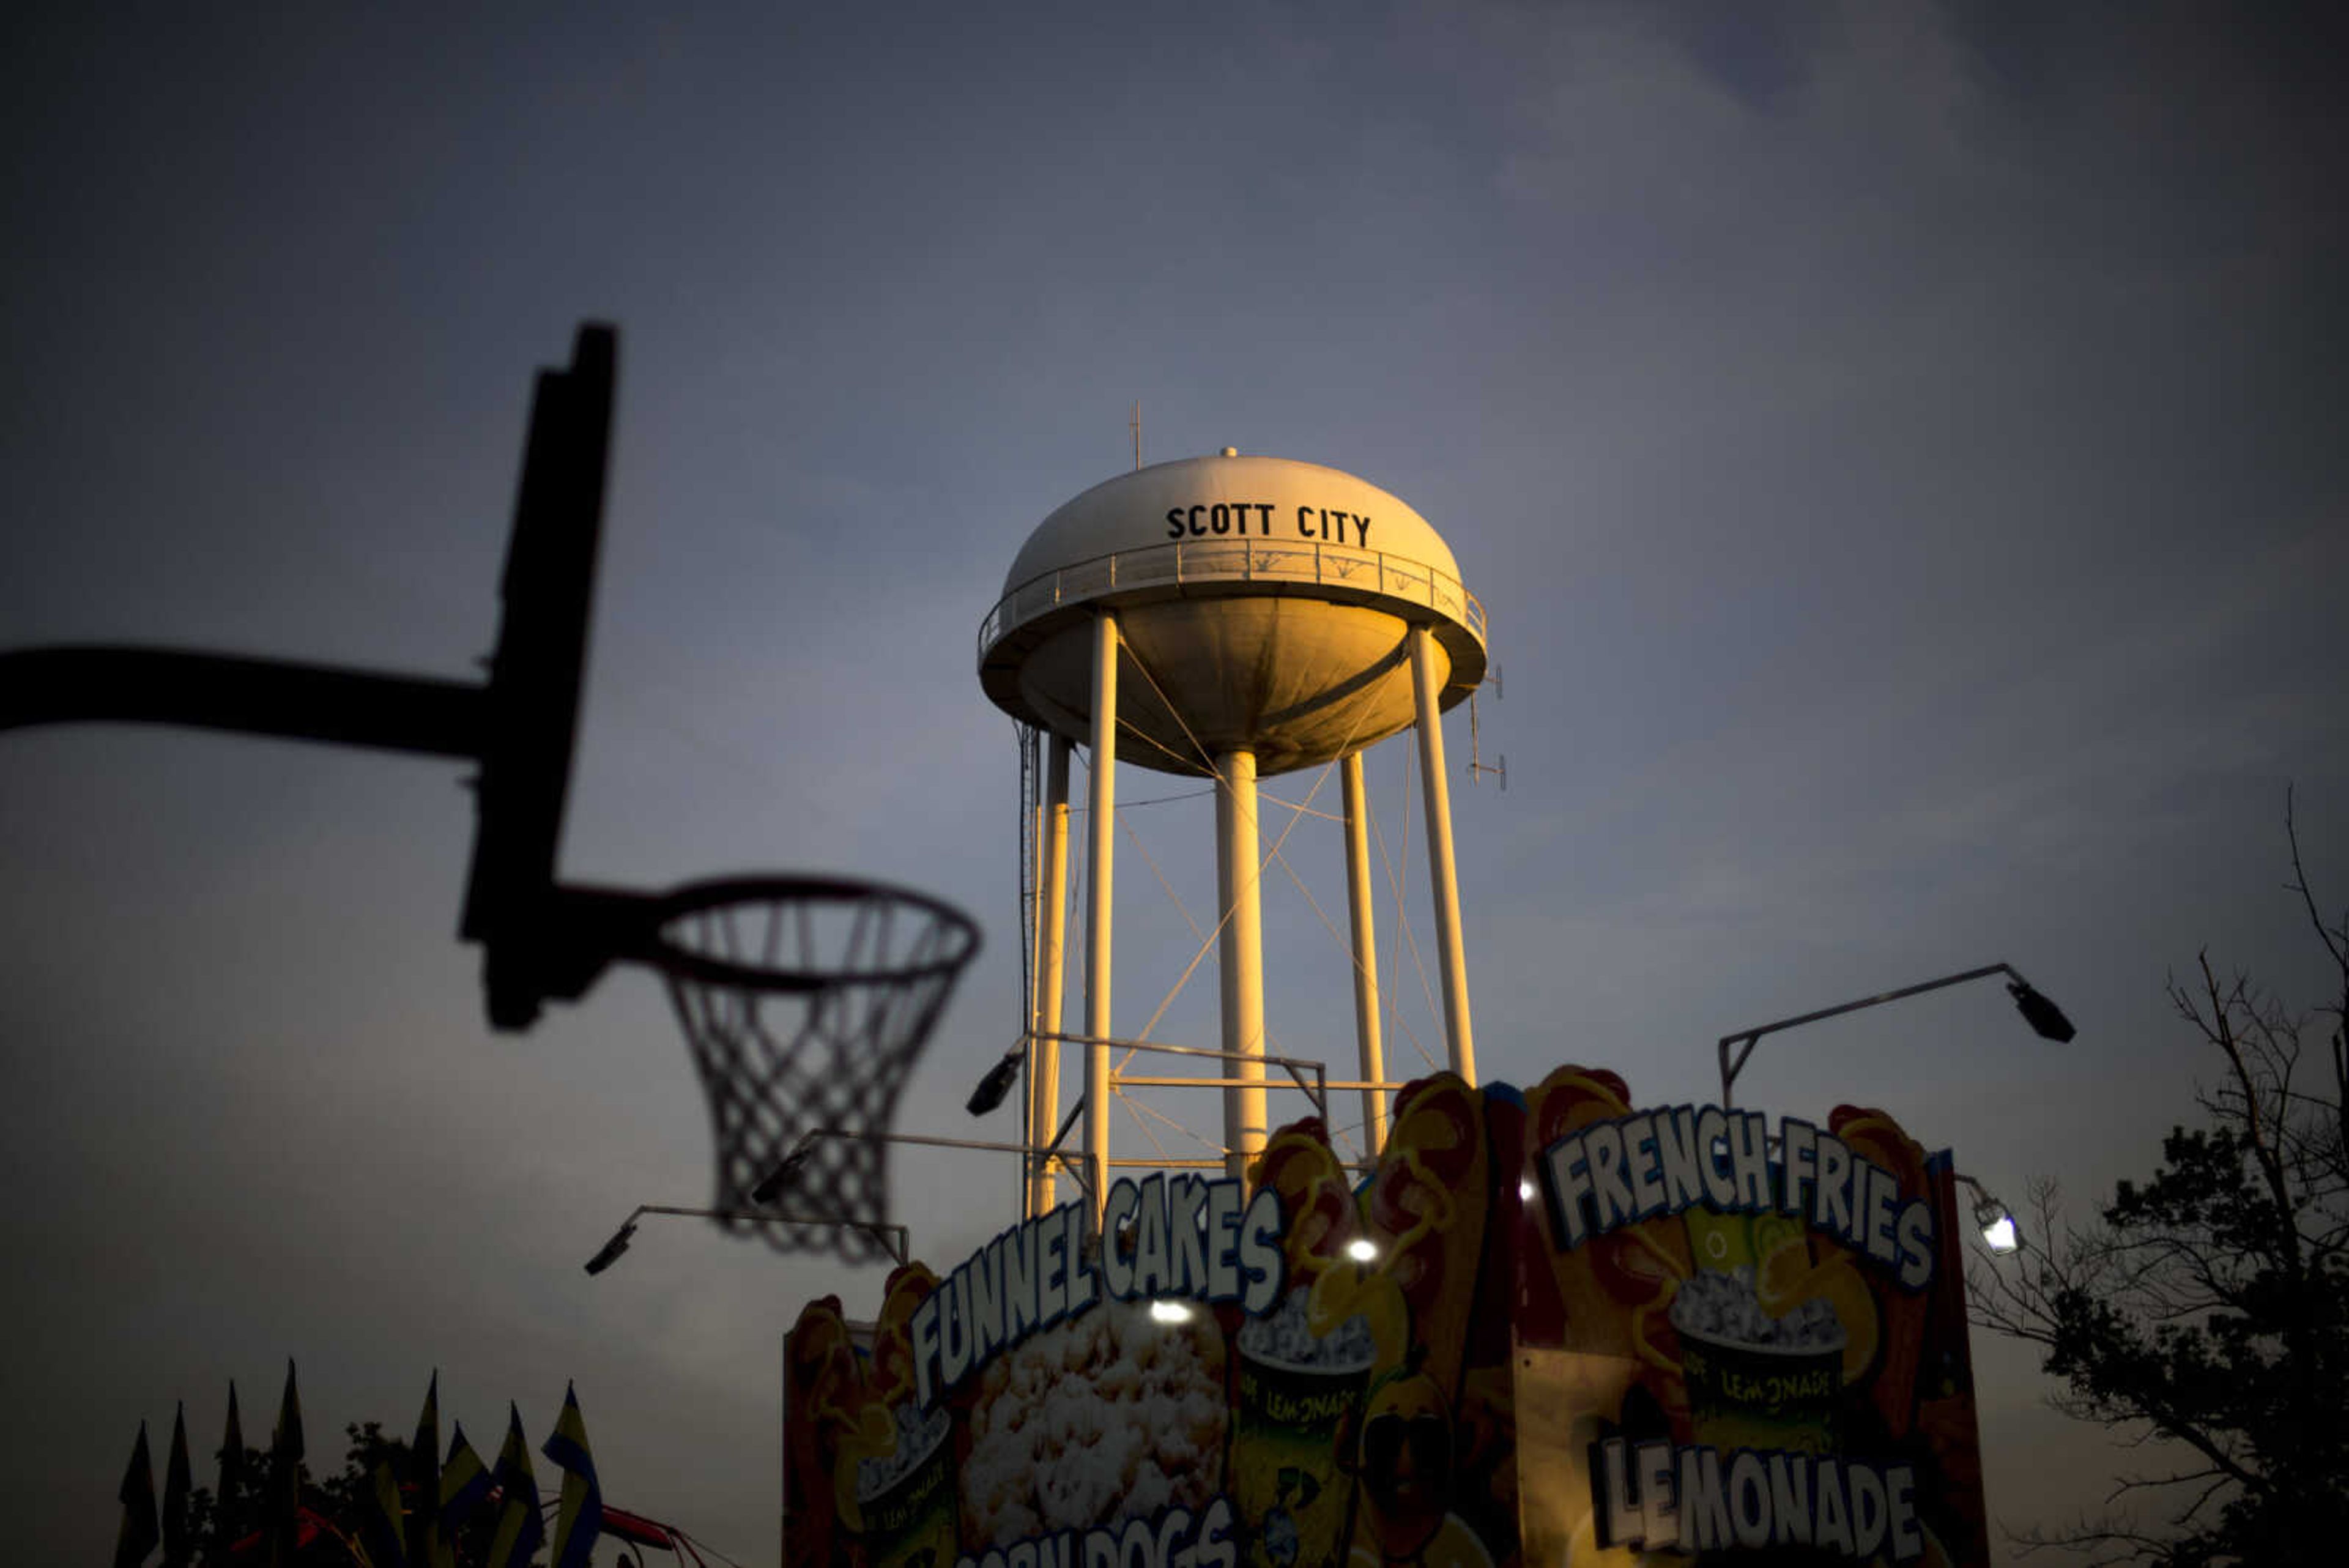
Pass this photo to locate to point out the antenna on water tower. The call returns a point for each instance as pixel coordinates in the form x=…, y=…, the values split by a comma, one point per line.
x=1273, y=616
x=1477, y=767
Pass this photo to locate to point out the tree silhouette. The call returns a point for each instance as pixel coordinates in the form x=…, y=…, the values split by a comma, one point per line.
x=2210, y=1305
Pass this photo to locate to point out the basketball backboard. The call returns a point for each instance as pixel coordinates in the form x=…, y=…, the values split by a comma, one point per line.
x=530, y=719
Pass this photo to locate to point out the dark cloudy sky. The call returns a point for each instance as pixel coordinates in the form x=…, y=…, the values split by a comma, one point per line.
x=1898, y=448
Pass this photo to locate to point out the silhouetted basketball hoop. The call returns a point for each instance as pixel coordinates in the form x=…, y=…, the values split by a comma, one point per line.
x=805, y=1002
x=805, y=999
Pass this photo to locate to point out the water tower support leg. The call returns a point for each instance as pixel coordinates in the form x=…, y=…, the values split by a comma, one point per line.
x=1052, y=966
x=1101, y=860
x=1239, y=880
x=1366, y=951
x=1441, y=867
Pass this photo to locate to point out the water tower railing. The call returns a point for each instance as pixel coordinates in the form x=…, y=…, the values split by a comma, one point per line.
x=1189, y=561
x=1308, y=1075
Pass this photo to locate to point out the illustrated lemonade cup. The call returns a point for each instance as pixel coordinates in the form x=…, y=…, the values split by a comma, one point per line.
x=1754, y=1381
x=1297, y=1394
x=907, y=1497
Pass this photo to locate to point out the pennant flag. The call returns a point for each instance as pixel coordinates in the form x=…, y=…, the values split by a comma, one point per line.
x=177, y=1485
x=424, y=1480
x=519, y=1529
x=228, y=1499
x=464, y=1486
x=139, y=1532
x=580, y=1518
x=286, y=1477
x=379, y=1527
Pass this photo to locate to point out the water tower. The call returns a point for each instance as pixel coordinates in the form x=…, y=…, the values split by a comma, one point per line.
x=1229, y=618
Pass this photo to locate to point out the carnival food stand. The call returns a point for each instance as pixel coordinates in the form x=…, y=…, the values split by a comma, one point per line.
x=1549, y=1327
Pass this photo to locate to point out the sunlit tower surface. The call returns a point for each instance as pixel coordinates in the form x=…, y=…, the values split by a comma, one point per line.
x=1229, y=617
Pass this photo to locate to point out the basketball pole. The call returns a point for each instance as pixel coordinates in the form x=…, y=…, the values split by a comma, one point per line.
x=1442, y=868
x=1239, y=880
x=1102, y=850
x=1358, y=891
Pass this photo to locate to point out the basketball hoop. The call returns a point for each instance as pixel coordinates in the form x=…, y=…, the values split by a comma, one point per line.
x=805, y=999
x=805, y=1002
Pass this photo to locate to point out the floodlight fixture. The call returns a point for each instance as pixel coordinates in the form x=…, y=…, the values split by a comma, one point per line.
x=1362, y=1249
x=2044, y=1017
x=997, y=1083
x=1996, y=1221
x=770, y=1186
x=612, y=1249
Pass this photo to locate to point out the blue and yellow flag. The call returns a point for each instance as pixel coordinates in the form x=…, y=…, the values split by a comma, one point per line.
x=139, y=1532
x=580, y=1519
x=379, y=1529
x=464, y=1483
x=228, y=1497
x=178, y=1483
x=519, y=1529
x=285, y=1476
x=424, y=1481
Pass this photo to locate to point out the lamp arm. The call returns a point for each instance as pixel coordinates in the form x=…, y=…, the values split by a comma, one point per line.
x=889, y=1234
x=1746, y=1039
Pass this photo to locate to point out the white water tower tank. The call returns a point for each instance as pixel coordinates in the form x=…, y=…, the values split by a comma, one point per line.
x=1267, y=598
x=1230, y=616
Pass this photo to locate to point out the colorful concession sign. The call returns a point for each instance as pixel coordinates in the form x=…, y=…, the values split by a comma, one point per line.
x=1584, y=1334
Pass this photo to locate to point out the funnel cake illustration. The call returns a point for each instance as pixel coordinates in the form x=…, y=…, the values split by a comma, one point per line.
x=1108, y=1416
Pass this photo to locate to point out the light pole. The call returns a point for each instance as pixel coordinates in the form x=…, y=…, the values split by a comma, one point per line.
x=890, y=1236
x=2046, y=1019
